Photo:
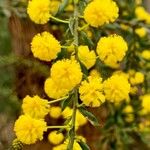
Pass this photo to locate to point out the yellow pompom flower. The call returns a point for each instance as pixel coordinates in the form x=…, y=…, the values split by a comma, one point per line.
x=141, y=32
x=146, y=104
x=67, y=112
x=53, y=90
x=66, y=73
x=87, y=57
x=116, y=88
x=137, y=78
x=45, y=46
x=142, y=14
x=35, y=106
x=39, y=11
x=94, y=73
x=55, y=138
x=146, y=54
x=91, y=92
x=29, y=130
x=99, y=12
x=55, y=112
x=111, y=50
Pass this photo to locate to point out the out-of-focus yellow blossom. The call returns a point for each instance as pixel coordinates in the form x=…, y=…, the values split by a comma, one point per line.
x=66, y=73
x=146, y=104
x=99, y=12
x=144, y=126
x=63, y=146
x=95, y=74
x=128, y=110
x=142, y=14
x=29, y=130
x=111, y=50
x=55, y=112
x=55, y=138
x=116, y=88
x=138, y=78
x=91, y=92
x=138, y=2
x=45, y=46
x=53, y=90
x=146, y=54
x=35, y=106
x=124, y=26
x=87, y=57
x=39, y=11
x=54, y=6
x=70, y=7
x=141, y=32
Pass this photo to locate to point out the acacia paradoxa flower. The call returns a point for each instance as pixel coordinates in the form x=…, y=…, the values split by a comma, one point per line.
x=35, y=106
x=45, y=46
x=99, y=12
x=39, y=11
x=29, y=130
x=111, y=50
x=116, y=88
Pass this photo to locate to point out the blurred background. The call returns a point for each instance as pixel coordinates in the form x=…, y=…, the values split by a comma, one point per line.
x=20, y=73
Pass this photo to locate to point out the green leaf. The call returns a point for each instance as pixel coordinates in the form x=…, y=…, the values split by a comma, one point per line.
x=62, y=6
x=83, y=68
x=66, y=102
x=92, y=119
x=86, y=39
x=71, y=25
x=83, y=145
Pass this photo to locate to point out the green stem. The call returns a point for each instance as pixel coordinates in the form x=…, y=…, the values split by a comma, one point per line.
x=72, y=131
x=57, y=127
x=57, y=100
x=59, y=20
x=83, y=27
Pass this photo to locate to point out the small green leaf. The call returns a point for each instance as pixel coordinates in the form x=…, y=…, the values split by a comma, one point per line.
x=92, y=119
x=66, y=102
x=62, y=6
x=71, y=25
x=83, y=145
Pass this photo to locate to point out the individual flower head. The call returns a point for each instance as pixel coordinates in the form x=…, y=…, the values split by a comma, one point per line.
x=111, y=50
x=55, y=138
x=55, y=112
x=54, y=6
x=91, y=92
x=87, y=57
x=128, y=111
x=137, y=78
x=53, y=90
x=146, y=104
x=45, y=46
x=29, y=130
x=146, y=54
x=142, y=14
x=39, y=11
x=141, y=32
x=99, y=12
x=116, y=88
x=35, y=106
x=66, y=73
